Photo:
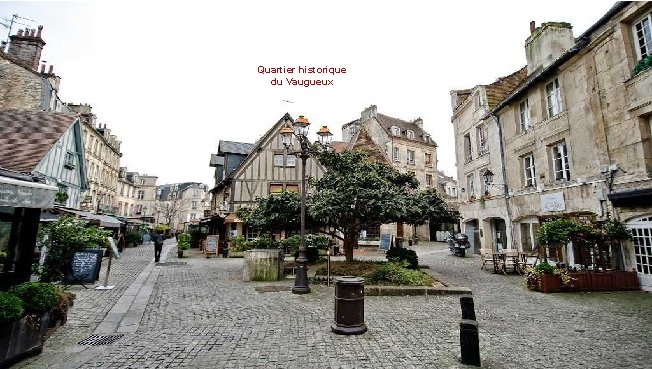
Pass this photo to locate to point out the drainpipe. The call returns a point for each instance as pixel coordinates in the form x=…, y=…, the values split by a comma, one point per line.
x=504, y=172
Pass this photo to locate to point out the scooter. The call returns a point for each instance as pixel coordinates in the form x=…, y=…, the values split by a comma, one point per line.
x=458, y=244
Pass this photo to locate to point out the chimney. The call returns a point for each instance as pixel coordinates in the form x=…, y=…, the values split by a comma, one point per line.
x=25, y=48
x=418, y=122
x=533, y=27
x=51, y=70
x=547, y=43
x=42, y=68
x=369, y=112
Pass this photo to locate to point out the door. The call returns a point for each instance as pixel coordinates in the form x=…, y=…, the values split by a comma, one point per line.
x=642, y=240
x=473, y=233
x=500, y=234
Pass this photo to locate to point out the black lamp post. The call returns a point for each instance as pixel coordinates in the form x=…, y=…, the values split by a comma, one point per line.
x=300, y=131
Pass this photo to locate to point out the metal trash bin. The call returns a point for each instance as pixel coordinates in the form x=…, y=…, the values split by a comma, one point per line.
x=349, y=306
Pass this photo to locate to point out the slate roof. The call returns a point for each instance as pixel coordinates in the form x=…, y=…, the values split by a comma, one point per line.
x=216, y=160
x=235, y=147
x=181, y=187
x=27, y=136
x=387, y=122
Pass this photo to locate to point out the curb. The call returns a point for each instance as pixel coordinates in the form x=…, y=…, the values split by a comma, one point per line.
x=415, y=291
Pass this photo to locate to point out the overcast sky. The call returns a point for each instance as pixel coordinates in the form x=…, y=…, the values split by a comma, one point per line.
x=172, y=79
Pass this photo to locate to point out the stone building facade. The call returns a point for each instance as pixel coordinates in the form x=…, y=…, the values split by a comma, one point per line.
x=102, y=154
x=23, y=85
x=146, y=194
x=575, y=134
x=180, y=204
x=126, y=194
x=405, y=145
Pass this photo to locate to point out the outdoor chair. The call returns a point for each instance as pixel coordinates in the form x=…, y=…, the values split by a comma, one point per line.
x=499, y=263
x=486, y=257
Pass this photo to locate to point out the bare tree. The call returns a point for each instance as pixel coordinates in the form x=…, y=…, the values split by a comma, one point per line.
x=171, y=208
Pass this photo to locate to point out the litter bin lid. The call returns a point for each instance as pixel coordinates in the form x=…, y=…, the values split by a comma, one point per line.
x=349, y=279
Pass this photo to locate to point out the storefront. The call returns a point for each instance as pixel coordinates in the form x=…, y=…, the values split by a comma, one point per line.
x=20, y=210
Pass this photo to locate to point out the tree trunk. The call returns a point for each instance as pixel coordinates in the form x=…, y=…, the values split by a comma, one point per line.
x=350, y=241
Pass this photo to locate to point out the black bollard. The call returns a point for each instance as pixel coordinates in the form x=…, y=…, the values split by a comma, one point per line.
x=469, y=335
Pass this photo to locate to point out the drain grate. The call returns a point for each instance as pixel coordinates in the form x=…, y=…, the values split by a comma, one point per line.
x=99, y=340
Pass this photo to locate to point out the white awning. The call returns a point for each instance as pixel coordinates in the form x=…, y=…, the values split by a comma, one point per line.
x=105, y=220
x=24, y=194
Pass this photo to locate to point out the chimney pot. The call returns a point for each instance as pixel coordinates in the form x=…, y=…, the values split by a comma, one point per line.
x=32, y=32
x=20, y=32
x=51, y=70
x=42, y=68
x=38, y=33
x=533, y=26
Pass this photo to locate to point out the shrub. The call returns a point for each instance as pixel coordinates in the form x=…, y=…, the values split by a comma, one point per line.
x=183, y=241
x=134, y=238
x=291, y=244
x=264, y=243
x=319, y=241
x=38, y=297
x=401, y=254
x=395, y=274
x=11, y=307
x=544, y=268
x=238, y=244
x=312, y=254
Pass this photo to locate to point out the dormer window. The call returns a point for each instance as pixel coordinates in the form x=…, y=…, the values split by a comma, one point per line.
x=352, y=129
x=410, y=134
x=396, y=131
x=69, y=160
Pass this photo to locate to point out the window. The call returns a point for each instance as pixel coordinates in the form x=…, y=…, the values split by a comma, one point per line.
x=428, y=159
x=482, y=140
x=291, y=161
x=292, y=188
x=529, y=172
x=553, y=98
x=429, y=180
x=387, y=146
x=528, y=236
x=352, y=129
x=560, y=167
x=396, y=155
x=410, y=157
x=410, y=134
x=275, y=188
x=396, y=131
x=470, y=186
x=141, y=195
x=524, y=114
x=467, y=148
x=193, y=205
x=643, y=37
x=193, y=216
x=251, y=233
x=195, y=193
x=69, y=161
x=477, y=101
x=278, y=160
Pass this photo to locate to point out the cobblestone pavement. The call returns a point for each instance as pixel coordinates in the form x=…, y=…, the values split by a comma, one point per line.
x=201, y=315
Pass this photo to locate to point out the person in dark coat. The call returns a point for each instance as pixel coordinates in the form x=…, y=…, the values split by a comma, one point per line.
x=158, y=246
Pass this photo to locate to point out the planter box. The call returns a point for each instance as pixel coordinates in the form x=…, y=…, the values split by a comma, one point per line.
x=22, y=338
x=263, y=265
x=581, y=281
x=602, y=281
x=550, y=283
x=624, y=280
x=236, y=254
x=369, y=243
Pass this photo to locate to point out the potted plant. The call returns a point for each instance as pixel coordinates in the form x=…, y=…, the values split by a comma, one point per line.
x=133, y=239
x=183, y=243
x=60, y=197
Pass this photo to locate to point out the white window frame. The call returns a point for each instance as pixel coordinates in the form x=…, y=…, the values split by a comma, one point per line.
x=429, y=180
x=643, y=38
x=529, y=171
x=427, y=158
x=477, y=100
x=352, y=129
x=524, y=115
x=387, y=146
x=560, y=165
x=396, y=154
x=410, y=134
x=483, y=147
x=553, y=98
x=470, y=185
x=531, y=232
x=410, y=157
x=468, y=151
x=396, y=131
x=193, y=205
x=291, y=161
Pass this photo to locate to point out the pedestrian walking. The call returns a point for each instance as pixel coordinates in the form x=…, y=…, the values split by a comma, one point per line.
x=158, y=246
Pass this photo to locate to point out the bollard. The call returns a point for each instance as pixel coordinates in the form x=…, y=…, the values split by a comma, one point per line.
x=349, y=306
x=469, y=335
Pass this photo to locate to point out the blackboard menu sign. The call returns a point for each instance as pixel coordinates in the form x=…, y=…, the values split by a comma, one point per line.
x=85, y=267
x=385, y=241
x=211, y=244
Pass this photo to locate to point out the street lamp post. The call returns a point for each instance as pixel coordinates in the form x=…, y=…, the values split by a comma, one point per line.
x=300, y=131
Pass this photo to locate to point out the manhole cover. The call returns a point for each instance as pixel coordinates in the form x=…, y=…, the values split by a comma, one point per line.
x=99, y=340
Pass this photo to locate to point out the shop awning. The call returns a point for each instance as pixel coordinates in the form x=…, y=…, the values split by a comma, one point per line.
x=632, y=198
x=104, y=220
x=23, y=194
x=232, y=218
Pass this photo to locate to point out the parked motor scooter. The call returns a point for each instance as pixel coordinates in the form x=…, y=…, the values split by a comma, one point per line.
x=458, y=244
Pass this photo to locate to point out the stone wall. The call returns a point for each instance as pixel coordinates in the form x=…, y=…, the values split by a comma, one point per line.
x=21, y=89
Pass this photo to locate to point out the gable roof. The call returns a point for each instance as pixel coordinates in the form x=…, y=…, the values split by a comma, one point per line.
x=216, y=160
x=167, y=189
x=499, y=90
x=387, y=122
x=233, y=147
x=27, y=136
